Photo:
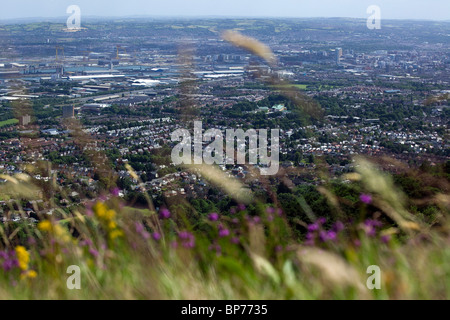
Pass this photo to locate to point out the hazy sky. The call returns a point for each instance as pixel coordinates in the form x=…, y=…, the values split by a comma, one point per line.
x=390, y=9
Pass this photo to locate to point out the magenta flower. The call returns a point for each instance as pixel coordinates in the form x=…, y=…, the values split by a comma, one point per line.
x=94, y=252
x=365, y=198
x=139, y=227
x=213, y=216
x=156, y=236
x=224, y=233
x=338, y=226
x=270, y=210
x=115, y=191
x=385, y=238
x=241, y=207
x=164, y=214
x=235, y=240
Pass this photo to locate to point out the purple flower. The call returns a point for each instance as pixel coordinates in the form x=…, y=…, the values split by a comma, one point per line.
x=164, y=214
x=338, y=226
x=270, y=217
x=235, y=240
x=331, y=235
x=233, y=210
x=184, y=235
x=323, y=236
x=93, y=251
x=321, y=220
x=366, y=198
x=280, y=212
x=270, y=210
x=213, y=216
x=224, y=233
x=156, y=236
x=309, y=236
x=189, y=244
x=115, y=191
x=313, y=227
x=241, y=207
x=256, y=220
x=139, y=227
x=385, y=238
x=235, y=220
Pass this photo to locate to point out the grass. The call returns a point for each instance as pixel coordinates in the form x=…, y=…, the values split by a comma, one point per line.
x=8, y=122
x=128, y=253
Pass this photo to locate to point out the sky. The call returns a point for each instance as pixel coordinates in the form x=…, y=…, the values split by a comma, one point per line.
x=390, y=9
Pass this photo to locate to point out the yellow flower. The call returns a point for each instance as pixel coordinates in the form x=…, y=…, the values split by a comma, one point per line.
x=30, y=274
x=110, y=214
x=100, y=210
x=23, y=257
x=45, y=225
x=112, y=225
x=115, y=234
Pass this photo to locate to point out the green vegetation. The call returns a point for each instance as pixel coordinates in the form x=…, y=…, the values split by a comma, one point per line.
x=8, y=122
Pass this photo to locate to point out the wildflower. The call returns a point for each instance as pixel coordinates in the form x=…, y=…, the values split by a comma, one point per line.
x=366, y=198
x=233, y=210
x=29, y=274
x=313, y=227
x=115, y=234
x=385, y=238
x=321, y=220
x=338, y=226
x=270, y=210
x=109, y=215
x=235, y=240
x=256, y=220
x=139, y=227
x=93, y=252
x=224, y=233
x=45, y=225
x=23, y=257
x=156, y=236
x=112, y=225
x=213, y=216
x=115, y=191
x=331, y=235
x=241, y=207
x=184, y=235
x=164, y=214
x=100, y=210
x=189, y=244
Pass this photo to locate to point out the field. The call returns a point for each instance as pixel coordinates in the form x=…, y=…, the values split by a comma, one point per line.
x=8, y=122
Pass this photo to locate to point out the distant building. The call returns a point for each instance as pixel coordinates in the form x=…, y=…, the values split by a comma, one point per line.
x=24, y=120
x=68, y=112
x=338, y=55
x=95, y=107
